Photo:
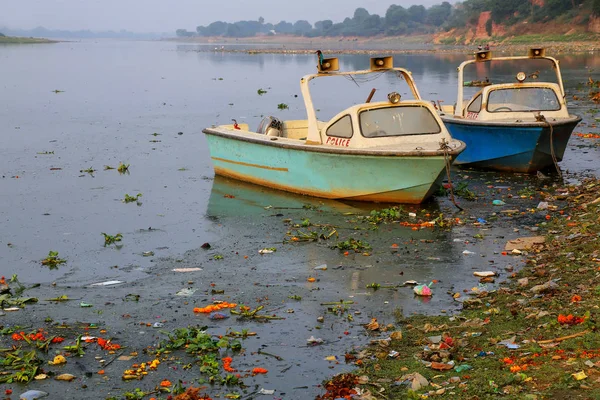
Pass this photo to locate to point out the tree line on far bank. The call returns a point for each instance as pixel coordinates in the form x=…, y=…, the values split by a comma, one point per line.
x=415, y=19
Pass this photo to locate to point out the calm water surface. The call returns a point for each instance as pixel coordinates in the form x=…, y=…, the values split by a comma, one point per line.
x=71, y=106
x=114, y=95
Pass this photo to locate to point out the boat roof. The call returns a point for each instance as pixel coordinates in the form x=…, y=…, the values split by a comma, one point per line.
x=329, y=67
x=487, y=56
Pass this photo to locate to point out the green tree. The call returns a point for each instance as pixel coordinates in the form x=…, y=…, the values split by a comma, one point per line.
x=217, y=28
x=302, y=27
x=438, y=14
x=596, y=7
x=417, y=14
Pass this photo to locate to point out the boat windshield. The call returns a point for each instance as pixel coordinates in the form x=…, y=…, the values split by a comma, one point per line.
x=522, y=99
x=398, y=121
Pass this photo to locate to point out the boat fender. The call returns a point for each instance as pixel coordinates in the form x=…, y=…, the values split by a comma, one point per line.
x=270, y=126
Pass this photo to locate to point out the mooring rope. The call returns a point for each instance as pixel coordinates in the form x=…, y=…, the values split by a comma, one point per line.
x=542, y=118
x=445, y=147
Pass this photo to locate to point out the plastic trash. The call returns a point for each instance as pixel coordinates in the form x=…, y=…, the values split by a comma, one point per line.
x=481, y=221
x=185, y=292
x=186, y=269
x=484, y=274
x=158, y=325
x=543, y=205
x=265, y=251
x=462, y=368
x=32, y=395
x=314, y=341
x=416, y=381
x=217, y=316
x=466, y=252
x=509, y=343
x=266, y=391
x=107, y=283
x=498, y=203
x=423, y=290
x=546, y=287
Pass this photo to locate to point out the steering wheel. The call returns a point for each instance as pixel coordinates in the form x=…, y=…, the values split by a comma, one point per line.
x=503, y=108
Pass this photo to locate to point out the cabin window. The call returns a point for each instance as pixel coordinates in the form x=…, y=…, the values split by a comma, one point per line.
x=398, y=121
x=475, y=106
x=523, y=99
x=341, y=128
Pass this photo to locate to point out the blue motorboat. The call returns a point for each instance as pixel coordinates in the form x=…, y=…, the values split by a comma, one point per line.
x=522, y=126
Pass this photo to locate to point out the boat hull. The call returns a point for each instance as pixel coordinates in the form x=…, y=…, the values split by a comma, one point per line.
x=511, y=146
x=331, y=175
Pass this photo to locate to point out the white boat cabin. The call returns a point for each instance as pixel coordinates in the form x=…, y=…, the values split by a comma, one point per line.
x=521, y=100
x=383, y=125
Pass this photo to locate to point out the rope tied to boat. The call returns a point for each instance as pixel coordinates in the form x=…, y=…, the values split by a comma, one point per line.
x=445, y=147
x=541, y=118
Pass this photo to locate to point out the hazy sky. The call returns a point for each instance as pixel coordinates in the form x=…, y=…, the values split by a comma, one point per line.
x=168, y=15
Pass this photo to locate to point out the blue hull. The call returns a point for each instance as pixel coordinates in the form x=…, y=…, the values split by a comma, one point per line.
x=511, y=147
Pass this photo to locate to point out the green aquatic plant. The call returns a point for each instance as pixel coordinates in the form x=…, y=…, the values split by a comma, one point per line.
x=385, y=215
x=261, y=92
x=462, y=191
x=352, y=244
x=282, y=106
x=131, y=199
x=122, y=168
x=52, y=260
x=109, y=239
x=90, y=170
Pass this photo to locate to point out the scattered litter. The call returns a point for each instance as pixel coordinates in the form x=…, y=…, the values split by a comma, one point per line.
x=510, y=343
x=416, y=381
x=462, y=368
x=423, y=290
x=158, y=325
x=466, y=252
x=410, y=283
x=217, y=316
x=516, y=252
x=314, y=341
x=412, y=215
x=65, y=377
x=498, y=203
x=546, y=287
x=331, y=358
x=58, y=360
x=321, y=267
x=186, y=292
x=205, y=245
x=481, y=221
x=543, y=205
x=484, y=274
x=266, y=251
x=32, y=395
x=393, y=354
x=148, y=253
x=186, y=269
x=11, y=309
x=579, y=375
x=523, y=281
x=82, y=304
x=266, y=391
x=107, y=283
x=524, y=243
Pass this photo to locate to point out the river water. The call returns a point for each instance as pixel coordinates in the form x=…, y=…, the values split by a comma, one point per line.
x=71, y=106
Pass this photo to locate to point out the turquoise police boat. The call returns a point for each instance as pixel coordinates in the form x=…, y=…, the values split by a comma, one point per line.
x=518, y=126
x=393, y=151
